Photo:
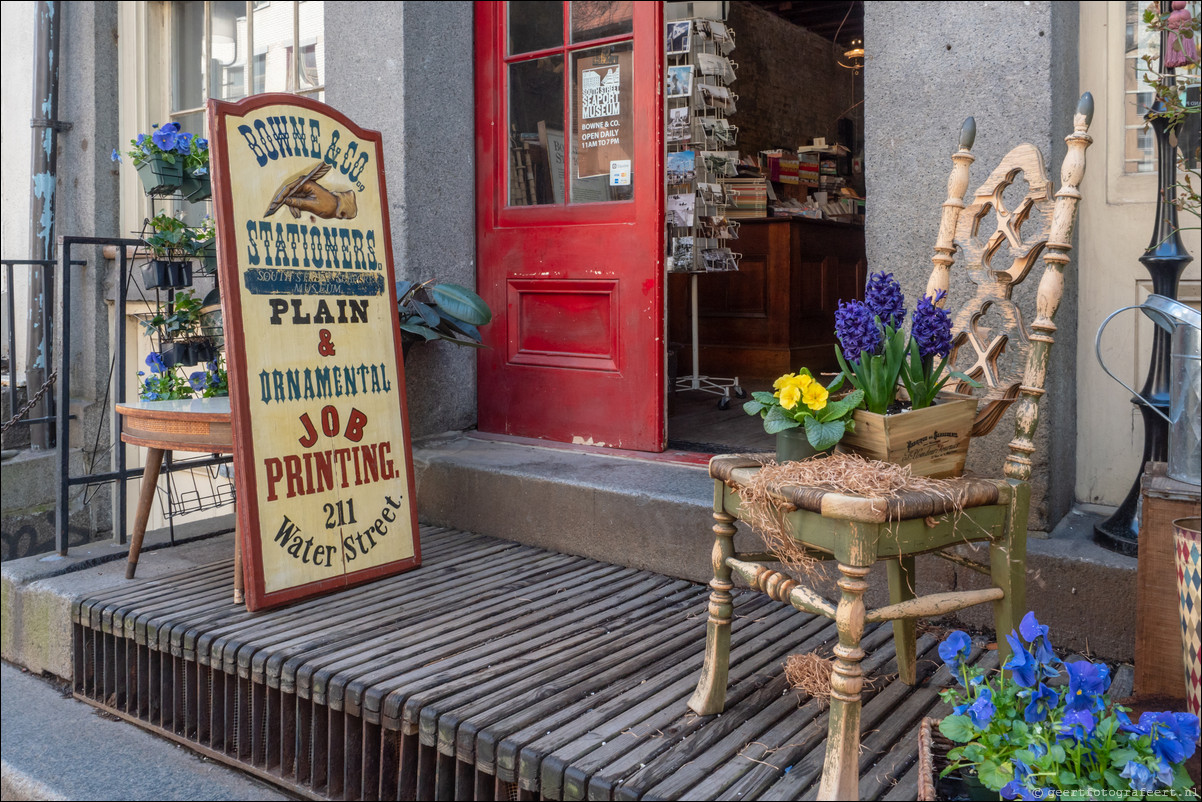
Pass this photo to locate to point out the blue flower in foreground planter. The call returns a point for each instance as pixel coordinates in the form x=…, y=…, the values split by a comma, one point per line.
x=981, y=711
x=883, y=296
x=856, y=330
x=1077, y=725
x=1174, y=735
x=1140, y=776
x=1086, y=683
x=1036, y=634
x=198, y=380
x=155, y=360
x=1043, y=701
x=954, y=650
x=1021, y=664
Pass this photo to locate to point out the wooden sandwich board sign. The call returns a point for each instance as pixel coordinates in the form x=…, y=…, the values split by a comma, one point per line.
x=322, y=456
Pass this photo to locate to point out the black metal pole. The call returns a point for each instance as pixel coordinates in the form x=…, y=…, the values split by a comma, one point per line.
x=1165, y=259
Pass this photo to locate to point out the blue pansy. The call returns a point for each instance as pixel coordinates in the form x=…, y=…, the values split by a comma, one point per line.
x=1139, y=775
x=981, y=711
x=954, y=650
x=183, y=144
x=155, y=361
x=116, y=156
x=1021, y=664
x=1086, y=683
x=198, y=380
x=1036, y=634
x=202, y=143
x=1043, y=701
x=1077, y=725
x=201, y=171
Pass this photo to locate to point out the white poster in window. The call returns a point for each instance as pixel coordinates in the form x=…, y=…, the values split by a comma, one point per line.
x=603, y=119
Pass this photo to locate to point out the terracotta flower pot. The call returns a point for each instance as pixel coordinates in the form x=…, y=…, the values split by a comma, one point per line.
x=932, y=441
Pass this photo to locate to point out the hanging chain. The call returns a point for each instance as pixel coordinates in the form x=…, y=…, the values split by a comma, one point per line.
x=31, y=402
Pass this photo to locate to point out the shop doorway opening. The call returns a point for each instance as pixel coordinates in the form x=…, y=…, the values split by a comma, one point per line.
x=772, y=130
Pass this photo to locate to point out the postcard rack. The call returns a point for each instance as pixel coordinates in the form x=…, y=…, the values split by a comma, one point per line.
x=700, y=153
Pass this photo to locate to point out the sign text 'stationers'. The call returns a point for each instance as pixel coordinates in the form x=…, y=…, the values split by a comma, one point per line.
x=323, y=467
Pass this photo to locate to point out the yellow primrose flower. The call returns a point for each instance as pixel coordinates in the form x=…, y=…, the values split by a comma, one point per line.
x=789, y=396
x=815, y=396
x=781, y=383
x=803, y=381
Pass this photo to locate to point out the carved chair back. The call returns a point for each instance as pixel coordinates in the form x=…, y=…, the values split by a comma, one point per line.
x=992, y=340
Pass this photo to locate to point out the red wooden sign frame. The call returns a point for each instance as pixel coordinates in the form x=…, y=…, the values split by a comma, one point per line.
x=242, y=196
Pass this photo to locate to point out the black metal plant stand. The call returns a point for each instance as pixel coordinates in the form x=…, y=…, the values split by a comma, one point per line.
x=1165, y=259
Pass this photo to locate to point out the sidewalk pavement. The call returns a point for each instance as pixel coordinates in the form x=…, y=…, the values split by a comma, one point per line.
x=56, y=747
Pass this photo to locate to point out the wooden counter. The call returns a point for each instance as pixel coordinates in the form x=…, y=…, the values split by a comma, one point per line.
x=777, y=313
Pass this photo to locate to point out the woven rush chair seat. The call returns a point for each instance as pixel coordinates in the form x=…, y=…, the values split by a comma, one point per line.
x=857, y=531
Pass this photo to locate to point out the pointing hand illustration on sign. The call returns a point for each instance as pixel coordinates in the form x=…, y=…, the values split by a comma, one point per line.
x=303, y=194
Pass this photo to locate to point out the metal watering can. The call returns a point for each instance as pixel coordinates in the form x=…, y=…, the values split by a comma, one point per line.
x=1184, y=326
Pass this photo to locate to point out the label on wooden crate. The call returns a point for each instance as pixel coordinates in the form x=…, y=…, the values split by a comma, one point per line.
x=323, y=466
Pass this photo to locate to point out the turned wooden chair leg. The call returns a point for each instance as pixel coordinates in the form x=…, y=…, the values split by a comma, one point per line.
x=710, y=696
x=1008, y=568
x=901, y=588
x=841, y=771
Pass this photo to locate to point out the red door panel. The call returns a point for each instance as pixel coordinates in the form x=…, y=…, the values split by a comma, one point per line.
x=575, y=280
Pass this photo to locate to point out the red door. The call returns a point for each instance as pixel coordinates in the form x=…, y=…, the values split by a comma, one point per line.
x=569, y=221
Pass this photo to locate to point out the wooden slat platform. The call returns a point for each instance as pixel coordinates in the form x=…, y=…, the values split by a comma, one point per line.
x=495, y=670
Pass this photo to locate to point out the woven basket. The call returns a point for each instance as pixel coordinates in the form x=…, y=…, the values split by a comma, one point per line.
x=932, y=759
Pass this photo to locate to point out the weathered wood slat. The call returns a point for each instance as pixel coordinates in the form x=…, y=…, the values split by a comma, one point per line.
x=496, y=669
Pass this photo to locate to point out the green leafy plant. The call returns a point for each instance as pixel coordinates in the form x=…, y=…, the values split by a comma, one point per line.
x=172, y=237
x=801, y=400
x=181, y=322
x=431, y=310
x=1026, y=739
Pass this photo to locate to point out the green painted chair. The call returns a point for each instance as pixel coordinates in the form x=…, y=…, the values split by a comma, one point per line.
x=857, y=532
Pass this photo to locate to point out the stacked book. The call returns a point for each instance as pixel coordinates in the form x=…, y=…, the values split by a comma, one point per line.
x=747, y=197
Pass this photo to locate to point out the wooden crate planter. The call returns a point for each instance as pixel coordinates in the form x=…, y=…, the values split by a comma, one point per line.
x=932, y=441
x=932, y=760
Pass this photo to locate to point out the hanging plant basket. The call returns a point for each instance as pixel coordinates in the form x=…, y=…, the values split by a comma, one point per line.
x=195, y=188
x=181, y=274
x=933, y=441
x=202, y=351
x=159, y=177
x=177, y=354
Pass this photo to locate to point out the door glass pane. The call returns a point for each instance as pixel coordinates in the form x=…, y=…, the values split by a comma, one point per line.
x=536, y=131
x=535, y=26
x=274, y=65
x=187, y=64
x=312, y=45
x=602, y=143
x=594, y=19
x=227, y=62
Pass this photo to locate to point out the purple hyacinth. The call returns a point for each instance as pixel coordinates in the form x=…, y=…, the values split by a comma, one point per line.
x=856, y=330
x=932, y=327
x=884, y=297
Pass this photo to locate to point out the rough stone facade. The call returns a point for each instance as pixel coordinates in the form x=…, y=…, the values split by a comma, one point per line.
x=1013, y=67
x=406, y=70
